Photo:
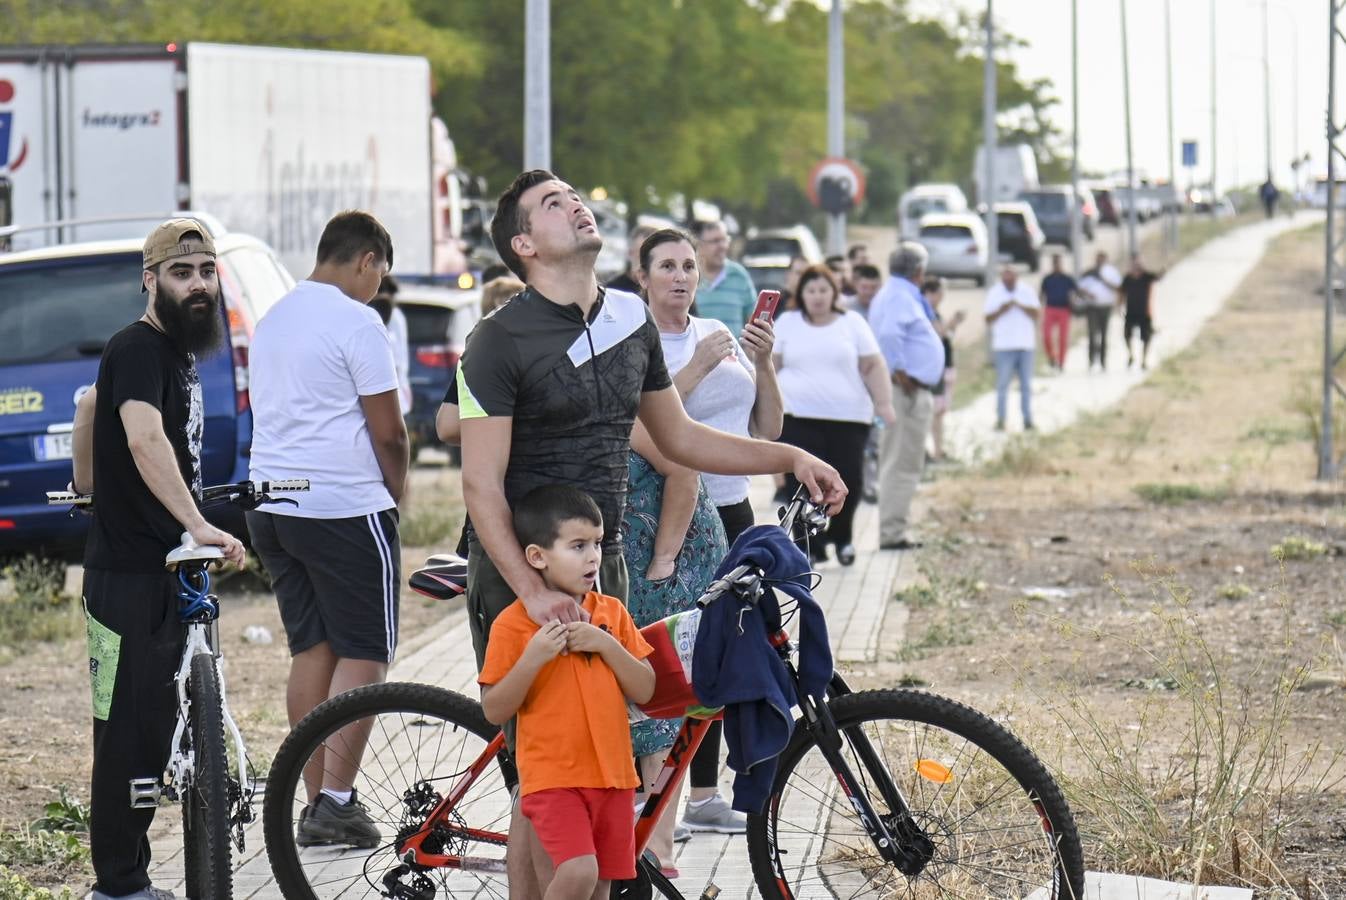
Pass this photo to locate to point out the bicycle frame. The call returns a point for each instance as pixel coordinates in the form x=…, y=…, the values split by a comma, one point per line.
x=413, y=849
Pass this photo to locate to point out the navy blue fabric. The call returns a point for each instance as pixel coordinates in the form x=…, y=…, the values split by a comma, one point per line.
x=734, y=665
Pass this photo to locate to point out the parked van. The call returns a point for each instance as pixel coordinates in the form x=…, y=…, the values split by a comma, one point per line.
x=924, y=199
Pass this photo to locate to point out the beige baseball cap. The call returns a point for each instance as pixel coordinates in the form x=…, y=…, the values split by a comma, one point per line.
x=166, y=242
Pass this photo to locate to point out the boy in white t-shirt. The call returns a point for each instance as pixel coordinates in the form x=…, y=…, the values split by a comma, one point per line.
x=325, y=407
x=1012, y=312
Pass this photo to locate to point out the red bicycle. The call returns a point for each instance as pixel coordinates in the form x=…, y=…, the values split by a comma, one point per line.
x=887, y=793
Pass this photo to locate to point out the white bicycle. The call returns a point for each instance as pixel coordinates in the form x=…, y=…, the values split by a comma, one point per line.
x=215, y=792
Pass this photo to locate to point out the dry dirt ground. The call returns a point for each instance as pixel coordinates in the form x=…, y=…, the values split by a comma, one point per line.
x=1155, y=600
x=45, y=722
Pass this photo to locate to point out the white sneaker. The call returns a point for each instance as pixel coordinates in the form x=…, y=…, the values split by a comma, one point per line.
x=714, y=815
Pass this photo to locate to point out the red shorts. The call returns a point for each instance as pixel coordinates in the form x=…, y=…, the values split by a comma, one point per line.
x=598, y=822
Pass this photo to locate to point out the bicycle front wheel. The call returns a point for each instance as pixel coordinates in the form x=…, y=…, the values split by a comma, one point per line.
x=402, y=748
x=991, y=824
x=205, y=812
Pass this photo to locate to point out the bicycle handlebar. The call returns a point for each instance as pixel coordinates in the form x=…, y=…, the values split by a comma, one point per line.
x=248, y=494
x=747, y=578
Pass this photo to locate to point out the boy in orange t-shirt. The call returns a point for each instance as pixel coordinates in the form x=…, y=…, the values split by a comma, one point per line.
x=568, y=684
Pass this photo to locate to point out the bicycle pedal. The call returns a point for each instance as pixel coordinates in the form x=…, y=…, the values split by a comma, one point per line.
x=145, y=793
x=710, y=893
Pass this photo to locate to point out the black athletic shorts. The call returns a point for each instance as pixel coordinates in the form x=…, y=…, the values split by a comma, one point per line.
x=336, y=580
x=1143, y=324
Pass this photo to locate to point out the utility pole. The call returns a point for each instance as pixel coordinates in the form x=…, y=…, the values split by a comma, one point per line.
x=1266, y=83
x=1171, y=210
x=1075, y=242
x=1214, y=130
x=988, y=139
x=537, y=85
x=1328, y=464
x=836, y=114
x=1131, y=247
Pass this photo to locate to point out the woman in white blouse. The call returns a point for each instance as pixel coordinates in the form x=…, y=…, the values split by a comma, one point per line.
x=834, y=382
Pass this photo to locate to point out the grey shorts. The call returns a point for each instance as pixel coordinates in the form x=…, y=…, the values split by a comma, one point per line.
x=336, y=580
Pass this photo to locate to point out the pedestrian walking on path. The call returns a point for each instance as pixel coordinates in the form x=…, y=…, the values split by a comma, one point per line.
x=1098, y=288
x=1012, y=313
x=903, y=324
x=1059, y=293
x=1138, y=295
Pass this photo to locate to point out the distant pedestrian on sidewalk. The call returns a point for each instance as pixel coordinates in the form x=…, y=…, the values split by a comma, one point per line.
x=1012, y=313
x=1270, y=195
x=1099, y=288
x=1138, y=295
x=933, y=291
x=902, y=323
x=1059, y=293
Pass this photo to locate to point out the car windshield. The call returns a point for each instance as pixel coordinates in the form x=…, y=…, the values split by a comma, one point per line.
x=771, y=246
x=768, y=278
x=1010, y=224
x=961, y=232
x=1046, y=203
x=426, y=324
x=66, y=309
x=926, y=205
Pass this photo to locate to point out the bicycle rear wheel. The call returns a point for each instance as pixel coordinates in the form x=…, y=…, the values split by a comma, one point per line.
x=205, y=812
x=999, y=826
x=421, y=743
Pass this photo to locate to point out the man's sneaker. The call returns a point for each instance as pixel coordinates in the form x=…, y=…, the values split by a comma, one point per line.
x=329, y=821
x=714, y=815
x=681, y=833
x=149, y=892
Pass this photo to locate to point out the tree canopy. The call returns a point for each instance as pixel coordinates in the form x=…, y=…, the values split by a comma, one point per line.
x=720, y=99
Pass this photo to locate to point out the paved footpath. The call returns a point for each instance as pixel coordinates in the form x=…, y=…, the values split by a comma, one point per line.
x=855, y=599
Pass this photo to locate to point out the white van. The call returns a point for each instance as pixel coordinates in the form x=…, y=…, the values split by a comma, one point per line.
x=924, y=199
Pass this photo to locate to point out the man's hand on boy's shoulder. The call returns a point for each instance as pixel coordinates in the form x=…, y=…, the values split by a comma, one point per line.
x=553, y=606
x=546, y=644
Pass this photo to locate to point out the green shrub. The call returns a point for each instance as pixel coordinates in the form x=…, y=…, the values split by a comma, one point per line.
x=1178, y=494
x=14, y=886
x=1296, y=547
x=36, y=607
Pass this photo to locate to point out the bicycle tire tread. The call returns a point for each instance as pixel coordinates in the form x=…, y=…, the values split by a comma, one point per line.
x=206, y=849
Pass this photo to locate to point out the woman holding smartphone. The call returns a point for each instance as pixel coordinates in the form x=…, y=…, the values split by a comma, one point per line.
x=835, y=382
x=729, y=384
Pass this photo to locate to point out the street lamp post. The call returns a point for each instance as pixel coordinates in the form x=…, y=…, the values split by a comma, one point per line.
x=1131, y=247
x=1171, y=211
x=1075, y=136
x=1266, y=84
x=537, y=85
x=836, y=114
x=988, y=137
x=1214, y=130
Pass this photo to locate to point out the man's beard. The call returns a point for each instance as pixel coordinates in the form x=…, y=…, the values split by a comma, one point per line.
x=193, y=324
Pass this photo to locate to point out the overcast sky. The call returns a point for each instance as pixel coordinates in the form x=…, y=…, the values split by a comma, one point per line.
x=1045, y=24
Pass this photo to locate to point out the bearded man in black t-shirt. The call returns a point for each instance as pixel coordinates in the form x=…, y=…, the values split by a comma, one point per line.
x=1137, y=294
x=144, y=417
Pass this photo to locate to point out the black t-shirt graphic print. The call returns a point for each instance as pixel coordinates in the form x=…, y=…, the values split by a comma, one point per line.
x=132, y=531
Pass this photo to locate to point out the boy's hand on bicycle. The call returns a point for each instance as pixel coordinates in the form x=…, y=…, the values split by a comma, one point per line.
x=546, y=644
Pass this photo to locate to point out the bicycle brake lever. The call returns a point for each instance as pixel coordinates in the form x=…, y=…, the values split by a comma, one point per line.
x=289, y=500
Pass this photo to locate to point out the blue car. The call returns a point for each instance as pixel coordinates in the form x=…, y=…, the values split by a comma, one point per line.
x=58, y=307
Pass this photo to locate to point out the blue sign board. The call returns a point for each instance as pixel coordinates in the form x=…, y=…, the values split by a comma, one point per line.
x=1189, y=153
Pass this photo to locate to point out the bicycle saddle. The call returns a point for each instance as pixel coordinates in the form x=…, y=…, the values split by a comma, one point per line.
x=443, y=577
x=190, y=551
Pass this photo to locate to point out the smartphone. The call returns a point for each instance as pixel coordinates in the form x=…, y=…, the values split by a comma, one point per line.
x=766, y=305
